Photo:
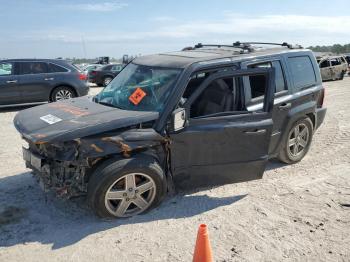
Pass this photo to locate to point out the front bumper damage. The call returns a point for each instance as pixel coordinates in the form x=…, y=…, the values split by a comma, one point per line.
x=65, y=178
x=65, y=167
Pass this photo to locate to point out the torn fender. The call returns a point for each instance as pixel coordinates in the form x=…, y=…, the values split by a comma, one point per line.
x=126, y=143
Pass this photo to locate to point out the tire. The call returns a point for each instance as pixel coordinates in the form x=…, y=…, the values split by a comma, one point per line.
x=112, y=175
x=107, y=80
x=65, y=92
x=342, y=75
x=289, y=152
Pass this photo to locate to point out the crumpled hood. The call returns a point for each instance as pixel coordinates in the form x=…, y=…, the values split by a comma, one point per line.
x=75, y=118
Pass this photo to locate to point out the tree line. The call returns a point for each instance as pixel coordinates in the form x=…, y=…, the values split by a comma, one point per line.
x=336, y=48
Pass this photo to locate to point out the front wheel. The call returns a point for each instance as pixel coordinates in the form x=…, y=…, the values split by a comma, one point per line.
x=297, y=142
x=125, y=188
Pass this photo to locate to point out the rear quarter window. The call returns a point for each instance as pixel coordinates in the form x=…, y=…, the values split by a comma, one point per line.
x=302, y=71
x=53, y=68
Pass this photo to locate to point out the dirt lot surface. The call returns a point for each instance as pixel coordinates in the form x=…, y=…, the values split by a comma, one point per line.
x=295, y=213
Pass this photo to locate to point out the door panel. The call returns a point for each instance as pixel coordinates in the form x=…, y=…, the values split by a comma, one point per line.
x=326, y=73
x=35, y=87
x=221, y=150
x=9, y=92
x=35, y=82
x=224, y=148
x=326, y=70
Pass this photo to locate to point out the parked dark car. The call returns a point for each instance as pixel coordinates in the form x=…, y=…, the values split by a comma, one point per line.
x=207, y=116
x=30, y=81
x=104, y=75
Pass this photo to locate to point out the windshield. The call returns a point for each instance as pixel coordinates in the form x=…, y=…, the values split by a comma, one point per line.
x=139, y=88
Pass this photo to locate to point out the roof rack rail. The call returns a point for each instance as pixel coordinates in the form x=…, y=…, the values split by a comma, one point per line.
x=290, y=46
x=244, y=47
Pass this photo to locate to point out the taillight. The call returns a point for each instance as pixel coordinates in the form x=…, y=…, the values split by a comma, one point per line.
x=321, y=98
x=82, y=77
x=93, y=72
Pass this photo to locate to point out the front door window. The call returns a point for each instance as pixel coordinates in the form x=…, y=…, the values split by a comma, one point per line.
x=5, y=69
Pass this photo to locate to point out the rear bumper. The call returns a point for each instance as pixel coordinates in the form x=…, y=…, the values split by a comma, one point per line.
x=320, y=115
x=96, y=79
x=83, y=89
x=92, y=79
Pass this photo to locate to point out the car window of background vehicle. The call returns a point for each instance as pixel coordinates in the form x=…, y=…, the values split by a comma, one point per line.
x=5, y=69
x=33, y=68
x=53, y=68
x=324, y=64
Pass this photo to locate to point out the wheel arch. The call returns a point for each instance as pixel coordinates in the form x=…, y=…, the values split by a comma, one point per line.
x=297, y=113
x=149, y=154
x=107, y=75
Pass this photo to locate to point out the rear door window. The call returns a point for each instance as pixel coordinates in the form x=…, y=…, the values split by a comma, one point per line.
x=302, y=71
x=6, y=69
x=53, y=68
x=33, y=68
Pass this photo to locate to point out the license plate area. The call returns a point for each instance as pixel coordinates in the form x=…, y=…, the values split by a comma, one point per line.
x=34, y=160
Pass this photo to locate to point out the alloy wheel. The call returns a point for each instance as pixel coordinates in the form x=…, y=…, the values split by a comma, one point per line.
x=130, y=195
x=107, y=80
x=63, y=94
x=298, y=140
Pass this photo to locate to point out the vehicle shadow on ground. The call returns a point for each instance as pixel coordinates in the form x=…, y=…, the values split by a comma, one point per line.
x=29, y=215
x=274, y=164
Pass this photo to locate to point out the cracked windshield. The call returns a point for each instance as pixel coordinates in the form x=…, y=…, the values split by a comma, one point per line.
x=140, y=88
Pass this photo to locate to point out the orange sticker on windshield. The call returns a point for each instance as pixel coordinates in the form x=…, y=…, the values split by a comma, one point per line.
x=137, y=96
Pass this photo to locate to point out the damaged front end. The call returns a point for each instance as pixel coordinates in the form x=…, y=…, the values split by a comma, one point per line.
x=65, y=167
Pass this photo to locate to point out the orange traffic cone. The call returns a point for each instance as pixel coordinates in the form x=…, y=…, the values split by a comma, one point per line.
x=202, y=251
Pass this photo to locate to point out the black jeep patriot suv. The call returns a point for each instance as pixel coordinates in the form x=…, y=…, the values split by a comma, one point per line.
x=211, y=114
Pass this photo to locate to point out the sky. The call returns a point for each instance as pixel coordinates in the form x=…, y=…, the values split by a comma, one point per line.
x=85, y=28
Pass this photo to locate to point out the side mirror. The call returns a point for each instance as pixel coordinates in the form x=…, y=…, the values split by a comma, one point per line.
x=178, y=119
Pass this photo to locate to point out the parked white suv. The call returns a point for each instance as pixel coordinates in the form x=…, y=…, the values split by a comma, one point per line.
x=332, y=67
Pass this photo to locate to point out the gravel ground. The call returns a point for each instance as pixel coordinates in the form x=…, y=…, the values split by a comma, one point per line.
x=295, y=213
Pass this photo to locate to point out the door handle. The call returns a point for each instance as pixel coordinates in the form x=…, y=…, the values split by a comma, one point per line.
x=11, y=81
x=49, y=79
x=285, y=106
x=255, y=132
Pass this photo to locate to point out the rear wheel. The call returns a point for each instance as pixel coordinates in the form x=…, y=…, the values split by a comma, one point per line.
x=125, y=188
x=62, y=93
x=297, y=142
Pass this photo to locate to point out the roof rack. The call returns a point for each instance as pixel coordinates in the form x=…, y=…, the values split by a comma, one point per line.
x=246, y=46
x=290, y=46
